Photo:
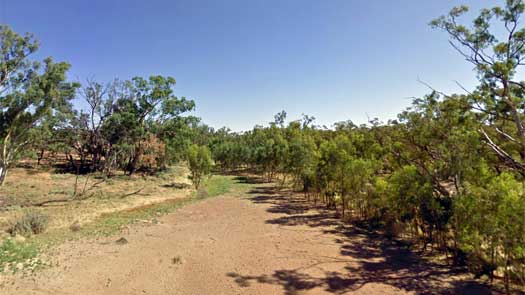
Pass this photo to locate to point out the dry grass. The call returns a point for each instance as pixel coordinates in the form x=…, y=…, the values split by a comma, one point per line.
x=26, y=186
x=110, y=207
x=28, y=224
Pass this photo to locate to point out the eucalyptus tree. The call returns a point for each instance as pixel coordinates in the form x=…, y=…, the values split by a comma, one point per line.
x=151, y=103
x=123, y=119
x=200, y=163
x=270, y=149
x=302, y=157
x=498, y=54
x=28, y=91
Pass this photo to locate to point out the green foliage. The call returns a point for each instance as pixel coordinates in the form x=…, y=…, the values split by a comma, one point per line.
x=12, y=253
x=430, y=172
x=495, y=227
x=497, y=56
x=450, y=169
x=128, y=120
x=30, y=91
x=302, y=159
x=200, y=163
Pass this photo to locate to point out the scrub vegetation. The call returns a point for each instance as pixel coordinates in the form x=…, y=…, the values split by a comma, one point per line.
x=446, y=176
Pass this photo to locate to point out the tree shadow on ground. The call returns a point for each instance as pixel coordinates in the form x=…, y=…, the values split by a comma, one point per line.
x=371, y=257
x=249, y=179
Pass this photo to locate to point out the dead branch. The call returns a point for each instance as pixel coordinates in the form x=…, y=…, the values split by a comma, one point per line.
x=132, y=193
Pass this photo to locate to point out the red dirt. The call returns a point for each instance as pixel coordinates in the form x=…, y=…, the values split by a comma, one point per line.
x=259, y=243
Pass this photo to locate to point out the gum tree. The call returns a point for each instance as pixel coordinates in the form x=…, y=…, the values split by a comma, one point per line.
x=200, y=163
x=497, y=58
x=28, y=91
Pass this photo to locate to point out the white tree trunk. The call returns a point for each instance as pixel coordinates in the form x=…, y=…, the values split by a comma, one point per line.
x=3, y=173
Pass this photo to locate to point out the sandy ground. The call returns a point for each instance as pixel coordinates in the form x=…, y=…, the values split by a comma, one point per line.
x=256, y=243
x=33, y=185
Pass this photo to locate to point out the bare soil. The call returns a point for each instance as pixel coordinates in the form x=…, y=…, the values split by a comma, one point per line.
x=262, y=242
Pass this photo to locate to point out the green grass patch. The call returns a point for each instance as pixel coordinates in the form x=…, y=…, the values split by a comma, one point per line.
x=19, y=256
x=14, y=252
x=215, y=186
x=112, y=223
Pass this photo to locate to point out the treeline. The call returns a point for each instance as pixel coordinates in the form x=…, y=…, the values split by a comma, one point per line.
x=448, y=172
x=132, y=125
x=127, y=125
x=428, y=176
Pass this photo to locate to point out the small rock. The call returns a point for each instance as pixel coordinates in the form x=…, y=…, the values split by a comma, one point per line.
x=121, y=241
x=177, y=260
x=75, y=226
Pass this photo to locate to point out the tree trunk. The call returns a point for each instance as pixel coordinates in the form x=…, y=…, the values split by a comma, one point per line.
x=283, y=182
x=343, y=205
x=493, y=262
x=40, y=156
x=3, y=173
x=507, y=273
x=133, y=163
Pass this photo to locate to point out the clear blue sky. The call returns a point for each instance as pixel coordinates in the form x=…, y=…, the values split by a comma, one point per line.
x=245, y=60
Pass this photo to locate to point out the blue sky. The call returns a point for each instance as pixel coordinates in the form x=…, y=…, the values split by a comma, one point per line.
x=245, y=60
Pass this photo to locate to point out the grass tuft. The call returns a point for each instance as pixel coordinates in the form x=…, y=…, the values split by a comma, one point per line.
x=30, y=223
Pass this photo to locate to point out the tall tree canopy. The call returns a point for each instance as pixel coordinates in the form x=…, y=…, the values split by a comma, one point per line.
x=28, y=91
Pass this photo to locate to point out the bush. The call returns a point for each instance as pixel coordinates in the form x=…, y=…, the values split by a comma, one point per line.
x=200, y=163
x=153, y=156
x=30, y=223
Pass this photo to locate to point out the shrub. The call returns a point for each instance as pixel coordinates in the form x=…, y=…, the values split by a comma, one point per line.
x=29, y=223
x=153, y=155
x=200, y=163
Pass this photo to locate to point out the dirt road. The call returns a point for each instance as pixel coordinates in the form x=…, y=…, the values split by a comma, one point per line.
x=251, y=244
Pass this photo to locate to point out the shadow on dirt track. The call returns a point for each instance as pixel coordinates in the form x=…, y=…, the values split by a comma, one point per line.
x=379, y=260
